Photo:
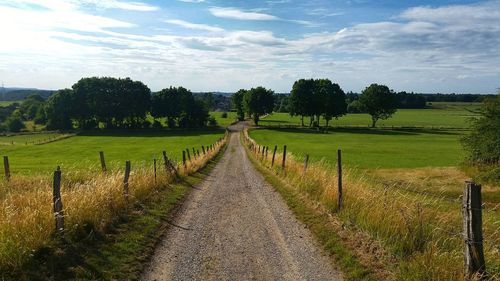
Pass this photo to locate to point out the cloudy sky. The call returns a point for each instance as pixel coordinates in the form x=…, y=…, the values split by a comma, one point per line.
x=216, y=45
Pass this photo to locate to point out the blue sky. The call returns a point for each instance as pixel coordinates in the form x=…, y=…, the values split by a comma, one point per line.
x=215, y=45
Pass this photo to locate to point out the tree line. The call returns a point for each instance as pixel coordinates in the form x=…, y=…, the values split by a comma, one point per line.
x=315, y=99
x=106, y=102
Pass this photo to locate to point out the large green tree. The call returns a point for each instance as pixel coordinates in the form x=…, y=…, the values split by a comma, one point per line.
x=258, y=101
x=302, y=102
x=378, y=101
x=180, y=107
x=237, y=99
x=331, y=100
x=59, y=109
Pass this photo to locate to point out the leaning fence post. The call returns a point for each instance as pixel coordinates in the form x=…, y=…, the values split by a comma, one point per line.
x=103, y=162
x=339, y=176
x=188, y=154
x=125, y=179
x=58, y=206
x=184, y=158
x=194, y=153
x=267, y=150
x=473, y=234
x=284, y=157
x=274, y=155
x=203, y=149
x=6, y=167
x=306, y=161
x=154, y=167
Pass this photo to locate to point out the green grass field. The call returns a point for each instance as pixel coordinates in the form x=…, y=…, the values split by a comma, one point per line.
x=82, y=151
x=370, y=148
x=446, y=117
x=224, y=122
x=23, y=139
x=8, y=102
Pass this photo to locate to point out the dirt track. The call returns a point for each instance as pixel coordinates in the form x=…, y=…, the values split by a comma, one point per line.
x=234, y=226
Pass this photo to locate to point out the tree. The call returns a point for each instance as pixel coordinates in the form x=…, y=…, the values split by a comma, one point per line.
x=237, y=99
x=258, y=101
x=59, y=110
x=379, y=102
x=301, y=102
x=483, y=142
x=331, y=99
x=179, y=106
x=15, y=124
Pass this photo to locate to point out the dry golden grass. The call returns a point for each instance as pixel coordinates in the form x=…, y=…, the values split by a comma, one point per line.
x=422, y=230
x=26, y=211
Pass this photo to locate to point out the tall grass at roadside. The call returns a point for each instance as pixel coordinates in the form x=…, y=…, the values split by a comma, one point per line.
x=423, y=232
x=92, y=202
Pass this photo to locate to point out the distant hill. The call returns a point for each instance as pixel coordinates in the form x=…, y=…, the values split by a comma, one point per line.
x=10, y=94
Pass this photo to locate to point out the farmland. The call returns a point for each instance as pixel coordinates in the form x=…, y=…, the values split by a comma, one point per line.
x=413, y=170
x=368, y=148
x=443, y=115
x=82, y=151
x=231, y=117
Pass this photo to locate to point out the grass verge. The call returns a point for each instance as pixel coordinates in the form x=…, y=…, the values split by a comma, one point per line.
x=320, y=224
x=419, y=233
x=123, y=250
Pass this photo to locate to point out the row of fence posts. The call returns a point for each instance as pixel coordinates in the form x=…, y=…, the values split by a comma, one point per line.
x=56, y=183
x=471, y=208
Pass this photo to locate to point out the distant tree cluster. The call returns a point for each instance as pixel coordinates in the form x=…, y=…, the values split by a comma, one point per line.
x=254, y=103
x=315, y=98
x=179, y=107
x=122, y=103
x=13, y=116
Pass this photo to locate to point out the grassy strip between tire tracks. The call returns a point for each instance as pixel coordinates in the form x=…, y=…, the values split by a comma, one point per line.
x=320, y=225
x=125, y=248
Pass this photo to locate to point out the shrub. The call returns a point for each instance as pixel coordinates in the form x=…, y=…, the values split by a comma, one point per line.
x=224, y=115
x=15, y=124
x=157, y=125
x=212, y=121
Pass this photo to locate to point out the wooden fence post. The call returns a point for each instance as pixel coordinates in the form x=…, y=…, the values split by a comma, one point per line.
x=284, y=158
x=154, y=167
x=125, y=179
x=188, y=154
x=473, y=234
x=339, y=176
x=263, y=151
x=6, y=167
x=58, y=206
x=274, y=155
x=103, y=162
x=198, y=152
x=194, y=153
x=267, y=150
x=306, y=162
x=184, y=158
x=258, y=150
x=203, y=149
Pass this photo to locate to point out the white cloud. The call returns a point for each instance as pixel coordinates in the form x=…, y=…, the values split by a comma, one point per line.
x=115, y=4
x=197, y=26
x=423, y=49
x=233, y=13
x=192, y=1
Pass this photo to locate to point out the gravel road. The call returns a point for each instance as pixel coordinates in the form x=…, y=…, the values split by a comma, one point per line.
x=234, y=226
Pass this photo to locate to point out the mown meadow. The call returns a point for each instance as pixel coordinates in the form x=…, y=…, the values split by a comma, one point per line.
x=82, y=151
x=437, y=115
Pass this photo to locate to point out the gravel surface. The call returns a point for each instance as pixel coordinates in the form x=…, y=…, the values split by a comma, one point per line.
x=234, y=226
